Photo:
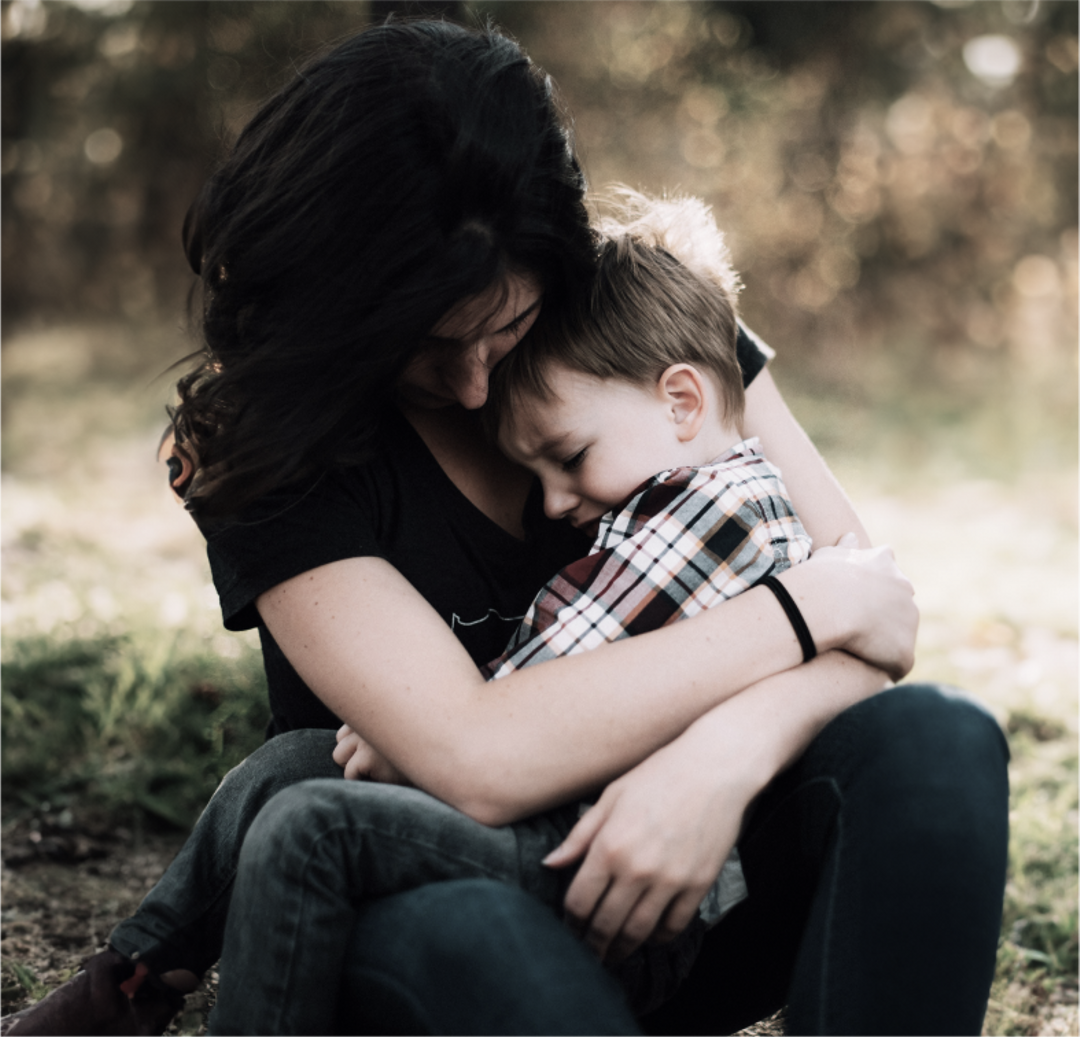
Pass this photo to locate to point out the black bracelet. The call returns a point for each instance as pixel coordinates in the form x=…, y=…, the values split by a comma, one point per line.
x=787, y=603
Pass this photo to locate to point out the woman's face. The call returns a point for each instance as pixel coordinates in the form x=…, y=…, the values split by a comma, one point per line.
x=468, y=342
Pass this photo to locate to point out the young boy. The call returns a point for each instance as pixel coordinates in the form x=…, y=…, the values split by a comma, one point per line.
x=642, y=380
x=596, y=404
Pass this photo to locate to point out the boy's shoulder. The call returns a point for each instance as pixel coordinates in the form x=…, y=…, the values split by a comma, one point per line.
x=685, y=497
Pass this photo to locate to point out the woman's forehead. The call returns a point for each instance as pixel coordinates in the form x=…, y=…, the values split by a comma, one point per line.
x=491, y=310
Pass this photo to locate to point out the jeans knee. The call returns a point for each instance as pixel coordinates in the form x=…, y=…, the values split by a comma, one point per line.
x=936, y=764
x=941, y=728
x=293, y=818
x=284, y=760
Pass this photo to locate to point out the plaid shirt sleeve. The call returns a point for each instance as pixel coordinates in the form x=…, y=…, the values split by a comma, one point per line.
x=690, y=538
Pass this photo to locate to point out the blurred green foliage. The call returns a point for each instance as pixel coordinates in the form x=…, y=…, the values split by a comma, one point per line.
x=130, y=725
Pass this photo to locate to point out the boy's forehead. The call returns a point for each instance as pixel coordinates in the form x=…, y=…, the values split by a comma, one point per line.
x=533, y=424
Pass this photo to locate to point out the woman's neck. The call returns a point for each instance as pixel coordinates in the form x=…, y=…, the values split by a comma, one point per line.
x=489, y=480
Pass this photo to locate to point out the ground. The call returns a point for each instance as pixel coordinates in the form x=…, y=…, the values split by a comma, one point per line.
x=63, y=890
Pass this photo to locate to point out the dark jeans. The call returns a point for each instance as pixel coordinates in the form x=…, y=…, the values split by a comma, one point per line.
x=472, y=956
x=876, y=870
x=875, y=867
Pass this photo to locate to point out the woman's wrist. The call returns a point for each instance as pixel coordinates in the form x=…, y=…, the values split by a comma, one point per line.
x=794, y=615
x=858, y=600
x=822, y=608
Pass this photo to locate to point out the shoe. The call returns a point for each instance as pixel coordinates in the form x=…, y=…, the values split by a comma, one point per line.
x=108, y=995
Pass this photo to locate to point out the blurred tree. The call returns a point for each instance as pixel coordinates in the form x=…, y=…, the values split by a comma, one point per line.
x=113, y=113
x=452, y=9
x=899, y=174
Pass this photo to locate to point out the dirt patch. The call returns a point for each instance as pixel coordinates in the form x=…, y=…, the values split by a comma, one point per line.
x=63, y=891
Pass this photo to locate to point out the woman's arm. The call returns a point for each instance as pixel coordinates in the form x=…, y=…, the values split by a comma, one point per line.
x=366, y=642
x=823, y=507
x=380, y=657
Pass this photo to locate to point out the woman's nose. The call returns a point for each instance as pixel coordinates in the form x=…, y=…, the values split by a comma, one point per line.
x=469, y=378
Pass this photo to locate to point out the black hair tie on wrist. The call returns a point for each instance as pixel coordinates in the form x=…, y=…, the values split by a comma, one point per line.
x=787, y=603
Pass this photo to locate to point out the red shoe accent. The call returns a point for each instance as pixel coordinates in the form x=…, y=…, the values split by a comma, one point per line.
x=129, y=986
x=97, y=1001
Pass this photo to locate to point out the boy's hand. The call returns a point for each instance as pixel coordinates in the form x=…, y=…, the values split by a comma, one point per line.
x=362, y=762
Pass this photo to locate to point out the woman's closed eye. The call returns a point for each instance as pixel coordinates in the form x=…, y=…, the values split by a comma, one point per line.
x=572, y=464
x=516, y=326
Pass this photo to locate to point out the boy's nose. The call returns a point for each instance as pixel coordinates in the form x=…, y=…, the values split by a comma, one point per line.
x=558, y=503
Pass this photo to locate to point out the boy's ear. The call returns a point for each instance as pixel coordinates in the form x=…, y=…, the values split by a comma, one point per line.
x=682, y=388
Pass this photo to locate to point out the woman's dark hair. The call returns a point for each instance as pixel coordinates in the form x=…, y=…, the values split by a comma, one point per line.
x=409, y=168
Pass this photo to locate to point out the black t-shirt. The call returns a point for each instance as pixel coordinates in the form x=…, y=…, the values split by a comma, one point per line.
x=402, y=507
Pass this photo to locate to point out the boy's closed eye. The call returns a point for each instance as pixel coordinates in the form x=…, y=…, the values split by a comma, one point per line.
x=571, y=464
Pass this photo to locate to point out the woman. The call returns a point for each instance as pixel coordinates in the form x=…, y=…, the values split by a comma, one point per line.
x=384, y=232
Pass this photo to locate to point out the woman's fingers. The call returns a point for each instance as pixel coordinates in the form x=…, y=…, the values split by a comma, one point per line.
x=585, y=895
x=616, y=914
x=625, y=891
x=602, y=898
x=574, y=846
x=607, y=934
x=679, y=914
x=640, y=924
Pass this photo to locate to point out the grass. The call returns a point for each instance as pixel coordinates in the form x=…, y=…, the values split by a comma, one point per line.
x=122, y=693
x=1037, y=962
x=144, y=725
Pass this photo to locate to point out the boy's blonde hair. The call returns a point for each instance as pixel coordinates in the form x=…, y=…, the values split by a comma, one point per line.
x=646, y=310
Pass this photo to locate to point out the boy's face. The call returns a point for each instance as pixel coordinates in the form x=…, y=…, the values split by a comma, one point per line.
x=592, y=445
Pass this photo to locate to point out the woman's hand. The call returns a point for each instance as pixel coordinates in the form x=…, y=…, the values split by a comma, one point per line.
x=363, y=762
x=654, y=843
x=866, y=604
x=658, y=836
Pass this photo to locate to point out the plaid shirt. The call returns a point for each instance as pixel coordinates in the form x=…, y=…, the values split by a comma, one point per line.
x=688, y=539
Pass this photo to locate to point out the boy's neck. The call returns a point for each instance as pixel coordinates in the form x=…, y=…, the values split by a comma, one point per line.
x=715, y=438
